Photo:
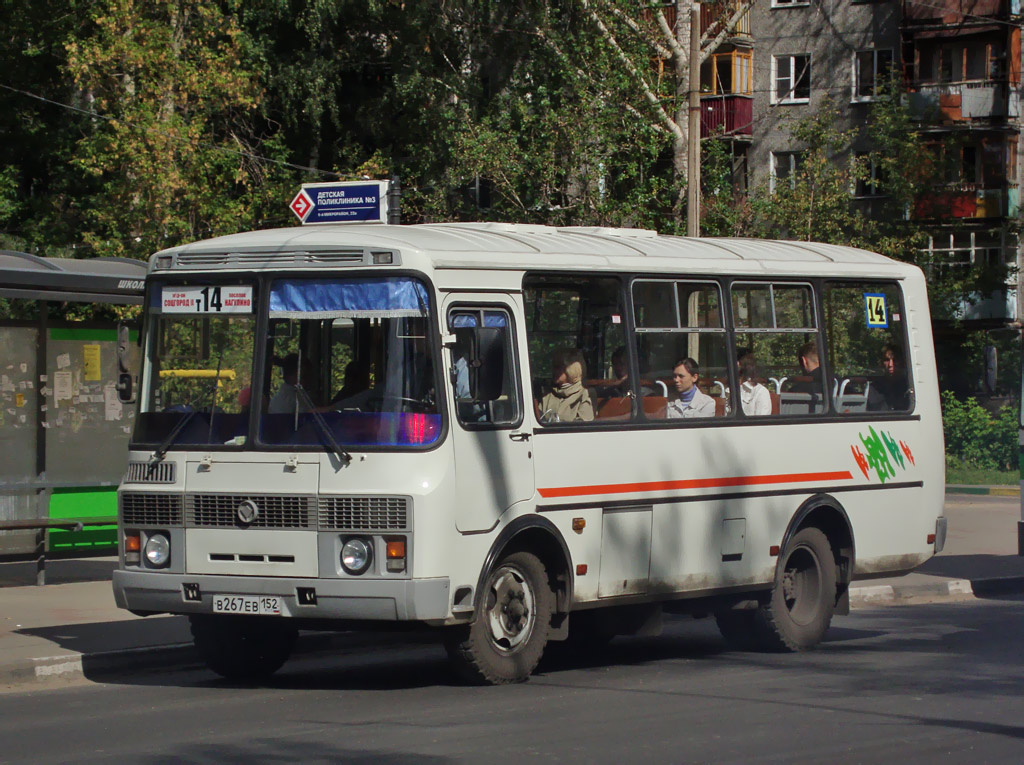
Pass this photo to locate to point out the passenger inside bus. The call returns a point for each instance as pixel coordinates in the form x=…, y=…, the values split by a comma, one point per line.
x=690, y=401
x=809, y=383
x=569, y=400
x=356, y=388
x=754, y=397
x=287, y=398
x=890, y=392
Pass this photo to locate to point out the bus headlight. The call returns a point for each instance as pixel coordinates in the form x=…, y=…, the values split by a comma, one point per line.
x=356, y=555
x=158, y=550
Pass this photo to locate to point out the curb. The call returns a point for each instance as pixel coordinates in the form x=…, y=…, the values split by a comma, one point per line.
x=948, y=589
x=990, y=491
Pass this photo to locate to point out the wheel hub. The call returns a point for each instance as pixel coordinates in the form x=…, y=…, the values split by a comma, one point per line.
x=510, y=609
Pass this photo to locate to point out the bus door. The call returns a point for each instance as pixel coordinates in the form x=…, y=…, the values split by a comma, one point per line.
x=493, y=449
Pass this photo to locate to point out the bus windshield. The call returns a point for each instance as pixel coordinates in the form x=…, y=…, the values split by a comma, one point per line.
x=353, y=357
x=346, y=361
x=200, y=348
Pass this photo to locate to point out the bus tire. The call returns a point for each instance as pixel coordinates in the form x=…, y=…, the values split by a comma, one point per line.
x=242, y=648
x=799, y=611
x=511, y=625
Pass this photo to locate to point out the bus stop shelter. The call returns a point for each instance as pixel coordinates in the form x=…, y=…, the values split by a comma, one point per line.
x=63, y=431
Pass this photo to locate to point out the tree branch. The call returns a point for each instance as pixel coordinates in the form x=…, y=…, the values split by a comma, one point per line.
x=709, y=45
x=652, y=98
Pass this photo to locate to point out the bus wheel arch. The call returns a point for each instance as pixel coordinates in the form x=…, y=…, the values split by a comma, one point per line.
x=825, y=513
x=521, y=601
x=538, y=535
x=811, y=578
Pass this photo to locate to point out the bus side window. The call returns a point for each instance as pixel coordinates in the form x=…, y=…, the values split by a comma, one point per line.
x=579, y=363
x=867, y=348
x=677, y=320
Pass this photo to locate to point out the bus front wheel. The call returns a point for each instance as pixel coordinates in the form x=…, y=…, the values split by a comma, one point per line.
x=511, y=625
x=803, y=597
x=242, y=648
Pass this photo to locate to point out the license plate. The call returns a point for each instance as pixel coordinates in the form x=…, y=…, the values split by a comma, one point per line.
x=263, y=605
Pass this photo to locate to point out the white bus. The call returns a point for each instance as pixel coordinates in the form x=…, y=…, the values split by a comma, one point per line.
x=488, y=429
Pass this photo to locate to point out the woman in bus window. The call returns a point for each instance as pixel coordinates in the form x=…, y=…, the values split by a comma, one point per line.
x=890, y=392
x=754, y=397
x=568, y=400
x=690, y=401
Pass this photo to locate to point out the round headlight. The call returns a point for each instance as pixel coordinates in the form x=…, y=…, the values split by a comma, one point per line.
x=356, y=555
x=158, y=550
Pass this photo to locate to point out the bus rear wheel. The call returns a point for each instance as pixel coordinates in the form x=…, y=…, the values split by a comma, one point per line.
x=803, y=597
x=510, y=629
x=242, y=648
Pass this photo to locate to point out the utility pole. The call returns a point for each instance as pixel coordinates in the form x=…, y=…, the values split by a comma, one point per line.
x=693, y=128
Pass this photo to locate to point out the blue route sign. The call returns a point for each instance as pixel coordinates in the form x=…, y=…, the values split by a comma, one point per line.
x=353, y=202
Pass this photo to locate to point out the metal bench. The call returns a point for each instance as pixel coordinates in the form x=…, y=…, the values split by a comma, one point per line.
x=42, y=525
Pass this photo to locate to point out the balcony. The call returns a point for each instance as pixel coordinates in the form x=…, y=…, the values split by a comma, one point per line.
x=714, y=15
x=968, y=202
x=954, y=102
x=728, y=114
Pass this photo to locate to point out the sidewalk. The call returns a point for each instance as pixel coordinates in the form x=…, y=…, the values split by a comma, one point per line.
x=70, y=629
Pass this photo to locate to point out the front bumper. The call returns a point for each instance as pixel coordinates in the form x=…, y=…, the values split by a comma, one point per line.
x=369, y=599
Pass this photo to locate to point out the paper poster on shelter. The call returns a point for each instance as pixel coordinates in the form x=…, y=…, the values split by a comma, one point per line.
x=92, y=362
x=62, y=387
x=112, y=405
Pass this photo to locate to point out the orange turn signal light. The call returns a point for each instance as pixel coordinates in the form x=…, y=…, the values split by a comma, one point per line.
x=773, y=550
x=578, y=524
x=396, y=548
x=581, y=569
x=132, y=543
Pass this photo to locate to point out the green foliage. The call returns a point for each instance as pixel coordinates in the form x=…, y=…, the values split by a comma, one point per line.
x=814, y=203
x=975, y=438
x=958, y=474
x=169, y=161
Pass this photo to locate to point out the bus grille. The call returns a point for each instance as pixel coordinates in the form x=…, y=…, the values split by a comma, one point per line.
x=150, y=472
x=144, y=509
x=364, y=513
x=276, y=511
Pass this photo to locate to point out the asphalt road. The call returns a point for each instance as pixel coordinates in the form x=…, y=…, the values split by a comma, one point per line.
x=934, y=682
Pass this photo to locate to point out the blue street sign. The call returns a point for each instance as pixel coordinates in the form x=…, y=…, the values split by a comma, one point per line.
x=353, y=202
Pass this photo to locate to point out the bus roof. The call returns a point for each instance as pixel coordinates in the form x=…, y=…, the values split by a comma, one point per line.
x=519, y=246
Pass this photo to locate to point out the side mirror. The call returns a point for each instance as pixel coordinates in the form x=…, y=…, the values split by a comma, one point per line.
x=125, y=381
x=125, y=393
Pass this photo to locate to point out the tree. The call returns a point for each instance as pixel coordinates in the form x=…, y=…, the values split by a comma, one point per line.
x=638, y=33
x=171, y=151
x=814, y=203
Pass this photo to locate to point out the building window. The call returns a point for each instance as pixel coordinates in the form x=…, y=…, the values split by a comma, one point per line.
x=785, y=166
x=791, y=79
x=870, y=69
x=869, y=176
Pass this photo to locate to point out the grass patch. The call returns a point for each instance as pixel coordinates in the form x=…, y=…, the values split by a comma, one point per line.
x=973, y=476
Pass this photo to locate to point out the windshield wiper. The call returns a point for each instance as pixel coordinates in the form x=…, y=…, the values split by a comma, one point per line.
x=325, y=429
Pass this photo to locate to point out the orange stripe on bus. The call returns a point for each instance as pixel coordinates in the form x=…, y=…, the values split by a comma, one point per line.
x=694, y=483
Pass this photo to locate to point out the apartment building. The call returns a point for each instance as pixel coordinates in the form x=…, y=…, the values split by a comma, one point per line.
x=961, y=61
